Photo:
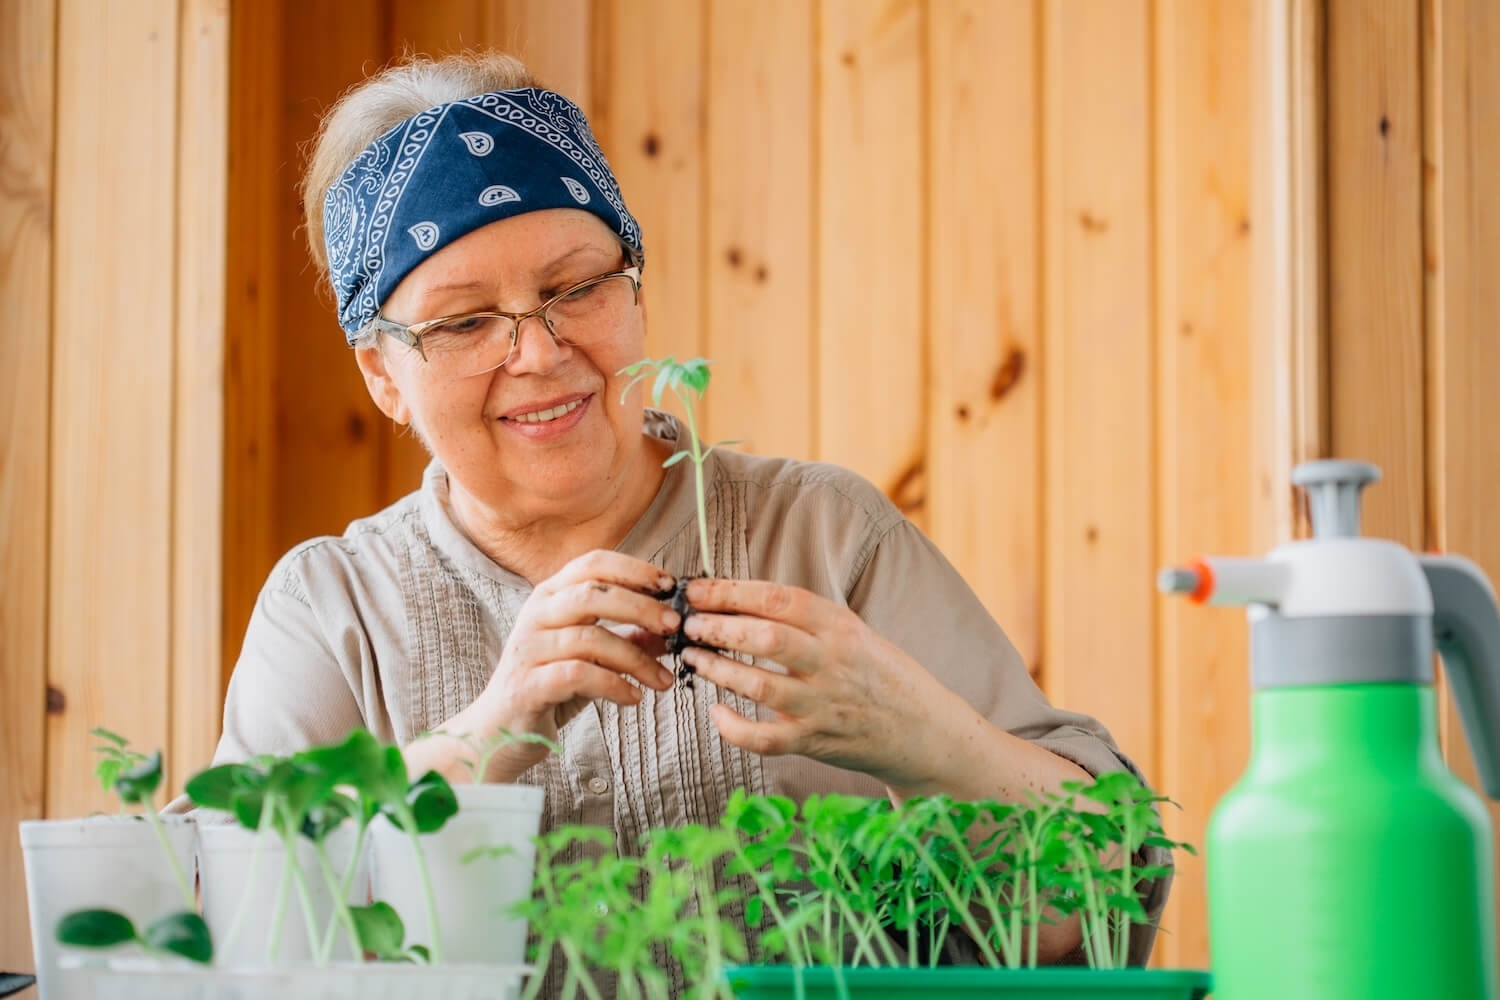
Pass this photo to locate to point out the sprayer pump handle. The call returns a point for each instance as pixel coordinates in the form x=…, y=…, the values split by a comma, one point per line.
x=1333, y=486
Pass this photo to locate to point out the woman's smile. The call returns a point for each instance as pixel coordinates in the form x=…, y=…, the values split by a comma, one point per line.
x=548, y=419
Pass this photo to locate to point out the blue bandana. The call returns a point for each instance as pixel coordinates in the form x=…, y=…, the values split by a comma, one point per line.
x=450, y=170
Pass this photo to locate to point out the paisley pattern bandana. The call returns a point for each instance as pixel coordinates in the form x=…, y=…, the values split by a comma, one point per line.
x=451, y=169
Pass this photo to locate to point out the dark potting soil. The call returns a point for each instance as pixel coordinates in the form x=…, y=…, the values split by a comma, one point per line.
x=676, y=598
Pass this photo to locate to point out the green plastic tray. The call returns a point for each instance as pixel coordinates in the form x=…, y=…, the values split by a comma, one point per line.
x=778, y=982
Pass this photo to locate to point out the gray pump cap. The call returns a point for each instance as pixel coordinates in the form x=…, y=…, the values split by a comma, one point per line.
x=1333, y=486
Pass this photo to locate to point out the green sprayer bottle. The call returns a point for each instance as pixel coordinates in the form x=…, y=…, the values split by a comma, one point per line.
x=1348, y=862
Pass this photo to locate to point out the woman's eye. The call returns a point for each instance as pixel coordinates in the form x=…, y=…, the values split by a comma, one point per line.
x=465, y=325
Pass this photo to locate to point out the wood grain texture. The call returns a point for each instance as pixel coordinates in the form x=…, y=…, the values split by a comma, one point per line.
x=870, y=211
x=984, y=278
x=553, y=38
x=1206, y=407
x=1375, y=339
x=1288, y=307
x=252, y=313
x=435, y=27
x=760, y=332
x=329, y=435
x=27, y=106
x=1099, y=644
x=112, y=388
x=650, y=121
x=1462, y=101
x=198, y=393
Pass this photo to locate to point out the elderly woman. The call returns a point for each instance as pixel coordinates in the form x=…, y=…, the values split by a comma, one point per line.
x=489, y=279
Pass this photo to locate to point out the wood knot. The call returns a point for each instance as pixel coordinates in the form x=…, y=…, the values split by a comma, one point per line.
x=57, y=702
x=1385, y=126
x=761, y=274
x=651, y=144
x=1091, y=534
x=1244, y=228
x=1092, y=223
x=963, y=412
x=848, y=58
x=355, y=427
x=735, y=256
x=909, y=491
x=1007, y=374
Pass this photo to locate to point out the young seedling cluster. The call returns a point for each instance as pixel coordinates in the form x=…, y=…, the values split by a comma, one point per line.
x=304, y=795
x=843, y=881
x=134, y=777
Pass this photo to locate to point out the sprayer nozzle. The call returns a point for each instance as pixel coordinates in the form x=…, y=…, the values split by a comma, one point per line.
x=1177, y=581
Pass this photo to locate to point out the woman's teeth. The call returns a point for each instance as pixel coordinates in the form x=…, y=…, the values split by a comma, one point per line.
x=542, y=416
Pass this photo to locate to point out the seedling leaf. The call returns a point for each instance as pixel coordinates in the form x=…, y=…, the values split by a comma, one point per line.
x=379, y=928
x=95, y=929
x=138, y=784
x=182, y=934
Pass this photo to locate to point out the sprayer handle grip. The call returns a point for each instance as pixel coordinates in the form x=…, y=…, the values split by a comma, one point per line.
x=1466, y=632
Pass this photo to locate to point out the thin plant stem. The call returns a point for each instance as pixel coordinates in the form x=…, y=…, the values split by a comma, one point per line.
x=161, y=835
x=429, y=897
x=957, y=903
x=341, y=902
x=575, y=965
x=273, y=941
x=255, y=855
x=341, y=914
x=697, y=456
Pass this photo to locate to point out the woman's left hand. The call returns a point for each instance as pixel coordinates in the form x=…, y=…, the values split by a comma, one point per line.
x=848, y=697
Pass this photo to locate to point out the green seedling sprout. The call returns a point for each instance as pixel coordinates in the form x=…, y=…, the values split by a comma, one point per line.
x=310, y=794
x=839, y=880
x=688, y=381
x=485, y=748
x=134, y=778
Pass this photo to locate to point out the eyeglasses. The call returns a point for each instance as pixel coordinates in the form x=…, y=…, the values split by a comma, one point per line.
x=475, y=343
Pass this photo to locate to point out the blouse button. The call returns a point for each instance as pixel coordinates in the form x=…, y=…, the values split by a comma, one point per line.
x=598, y=785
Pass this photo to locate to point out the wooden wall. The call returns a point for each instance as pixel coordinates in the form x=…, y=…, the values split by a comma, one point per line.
x=1075, y=281
x=112, y=191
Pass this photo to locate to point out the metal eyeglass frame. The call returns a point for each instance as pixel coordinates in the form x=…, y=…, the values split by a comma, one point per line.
x=411, y=335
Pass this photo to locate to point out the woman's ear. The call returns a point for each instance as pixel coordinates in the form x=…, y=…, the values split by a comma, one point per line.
x=382, y=387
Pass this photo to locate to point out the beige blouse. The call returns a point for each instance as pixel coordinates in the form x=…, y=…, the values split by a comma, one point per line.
x=398, y=623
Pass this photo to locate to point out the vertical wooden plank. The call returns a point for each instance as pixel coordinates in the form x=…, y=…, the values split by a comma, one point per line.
x=552, y=38
x=435, y=27
x=256, y=243
x=1462, y=98
x=758, y=256
x=984, y=405
x=1375, y=255
x=1288, y=308
x=328, y=450
x=871, y=206
x=198, y=420
x=649, y=119
x=113, y=303
x=27, y=106
x=1205, y=411
x=1099, y=641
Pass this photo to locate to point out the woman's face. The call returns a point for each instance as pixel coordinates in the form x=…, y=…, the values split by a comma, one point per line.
x=485, y=428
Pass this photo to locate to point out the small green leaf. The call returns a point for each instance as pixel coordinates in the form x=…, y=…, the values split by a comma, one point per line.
x=694, y=374
x=432, y=802
x=215, y=787
x=325, y=816
x=419, y=954
x=182, y=934
x=140, y=782
x=379, y=928
x=679, y=456
x=105, y=734
x=95, y=929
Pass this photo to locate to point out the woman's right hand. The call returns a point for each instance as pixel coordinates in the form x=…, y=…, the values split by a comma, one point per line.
x=559, y=657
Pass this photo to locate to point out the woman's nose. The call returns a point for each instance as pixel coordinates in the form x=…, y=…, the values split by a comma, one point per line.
x=535, y=350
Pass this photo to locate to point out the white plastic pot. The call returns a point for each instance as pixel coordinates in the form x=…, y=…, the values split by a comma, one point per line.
x=98, y=862
x=240, y=892
x=471, y=895
x=157, y=979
